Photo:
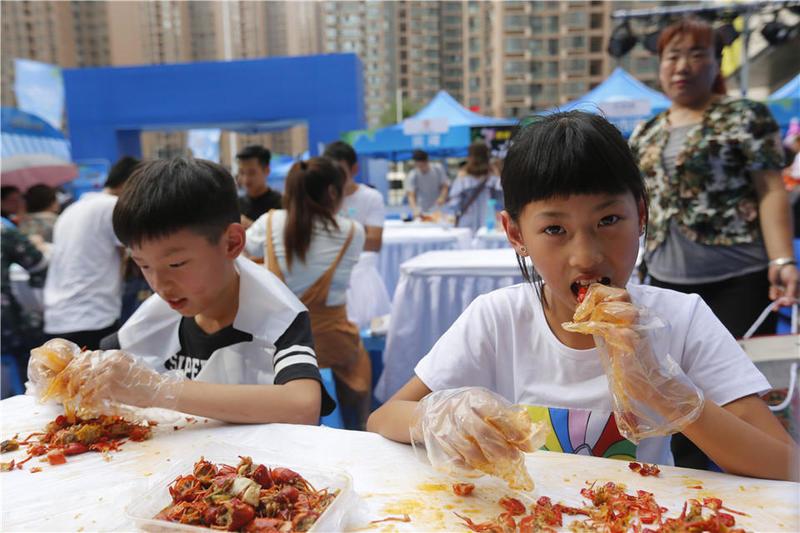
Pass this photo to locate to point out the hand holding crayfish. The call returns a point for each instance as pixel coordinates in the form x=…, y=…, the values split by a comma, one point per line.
x=472, y=431
x=650, y=392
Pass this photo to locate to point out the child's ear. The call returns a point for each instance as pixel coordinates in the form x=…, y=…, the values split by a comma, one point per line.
x=234, y=239
x=513, y=233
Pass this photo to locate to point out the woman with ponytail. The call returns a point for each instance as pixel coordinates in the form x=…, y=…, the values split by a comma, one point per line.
x=313, y=250
x=720, y=224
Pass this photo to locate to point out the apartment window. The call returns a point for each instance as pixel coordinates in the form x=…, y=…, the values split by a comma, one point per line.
x=513, y=22
x=537, y=24
x=552, y=47
x=537, y=68
x=432, y=54
x=452, y=20
x=474, y=45
x=550, y=92
x=536, y=46
x=330, y=19
x=552, y=24
x=515, y=44
x=474, y=63
x=576, y=66
x=536, y=89
x=576, y=19
x=450, y=47
x=516, y=67
x=596, y=21
x=595, y=67
x=474, y=83
x=331, y=33
x=552, y=69
x=516, y=90
x=576, y=88
x=596, y=44
x=575, y=43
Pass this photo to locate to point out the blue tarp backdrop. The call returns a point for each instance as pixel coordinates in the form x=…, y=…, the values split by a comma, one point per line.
x=622, y=99
x=785, y=103
x=392, y=143
x=109, y=107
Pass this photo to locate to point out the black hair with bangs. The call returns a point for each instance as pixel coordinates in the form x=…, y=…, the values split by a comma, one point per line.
x=562, y=154
x=165, y=196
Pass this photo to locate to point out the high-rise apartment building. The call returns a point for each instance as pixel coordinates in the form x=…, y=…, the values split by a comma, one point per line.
x=368, y=30
x=497, y=57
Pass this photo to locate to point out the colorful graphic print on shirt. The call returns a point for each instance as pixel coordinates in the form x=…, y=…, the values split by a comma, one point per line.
x=583, y=432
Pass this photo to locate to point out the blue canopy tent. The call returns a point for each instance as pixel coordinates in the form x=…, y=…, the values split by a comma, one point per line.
x=456, y=126
x=33, y=151
x=622, y=99
x=785, y=103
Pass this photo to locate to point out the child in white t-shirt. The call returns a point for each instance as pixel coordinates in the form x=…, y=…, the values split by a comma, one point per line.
x=575, y=208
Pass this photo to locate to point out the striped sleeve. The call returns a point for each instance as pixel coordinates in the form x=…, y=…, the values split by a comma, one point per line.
x=295, y=347
x=295, y=358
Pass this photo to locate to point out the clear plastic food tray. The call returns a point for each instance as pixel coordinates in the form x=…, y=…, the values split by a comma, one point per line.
x=156, y=496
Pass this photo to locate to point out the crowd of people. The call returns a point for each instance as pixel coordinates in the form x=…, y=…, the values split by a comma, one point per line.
x=251, y=288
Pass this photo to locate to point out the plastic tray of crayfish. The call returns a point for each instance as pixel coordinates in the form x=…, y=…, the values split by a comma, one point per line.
x=156, y=497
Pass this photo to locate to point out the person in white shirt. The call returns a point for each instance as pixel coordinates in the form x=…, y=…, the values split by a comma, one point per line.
x=314, y=251
x=237, y=337
x=575, y=208
x=473, y=189
x=83, y=291
x=360, y=202
x=367, y=297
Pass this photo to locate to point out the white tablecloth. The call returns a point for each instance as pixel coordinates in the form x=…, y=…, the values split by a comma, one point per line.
x=401, y=243
x=490, y=239
x=91, y=494
x=434, y=289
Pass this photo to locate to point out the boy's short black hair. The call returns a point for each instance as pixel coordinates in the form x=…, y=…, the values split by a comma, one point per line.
x=256, y=151
x=167, y=195
x=419, y=155
x=341, y=151
x=121, y=171
x=39, y=197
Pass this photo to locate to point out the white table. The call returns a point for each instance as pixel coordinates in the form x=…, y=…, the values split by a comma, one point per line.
x=434, y=289
x=402, y=242
x=88, y=493
x=495, y=238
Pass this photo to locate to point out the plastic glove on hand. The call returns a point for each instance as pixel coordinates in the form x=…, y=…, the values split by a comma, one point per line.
x=472, y=431
x=651, y=394
x=108, y=378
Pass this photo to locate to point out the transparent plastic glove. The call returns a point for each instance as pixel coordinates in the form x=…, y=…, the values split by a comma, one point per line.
x=472, y=431
x=103, y=380
x=45, y=365
x=651, y=394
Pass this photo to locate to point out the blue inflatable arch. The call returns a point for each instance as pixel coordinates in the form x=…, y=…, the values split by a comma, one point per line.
x=109, y=107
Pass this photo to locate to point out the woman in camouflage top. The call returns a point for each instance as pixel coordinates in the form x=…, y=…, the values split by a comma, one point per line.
x=719, y=222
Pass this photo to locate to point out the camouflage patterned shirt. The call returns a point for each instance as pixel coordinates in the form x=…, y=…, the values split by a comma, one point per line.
x=711, y=195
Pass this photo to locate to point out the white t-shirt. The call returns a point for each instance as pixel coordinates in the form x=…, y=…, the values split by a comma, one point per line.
x=365, y=206
x=83, y=290
x=325, y=246
x=502, y=342
x=269, y=341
